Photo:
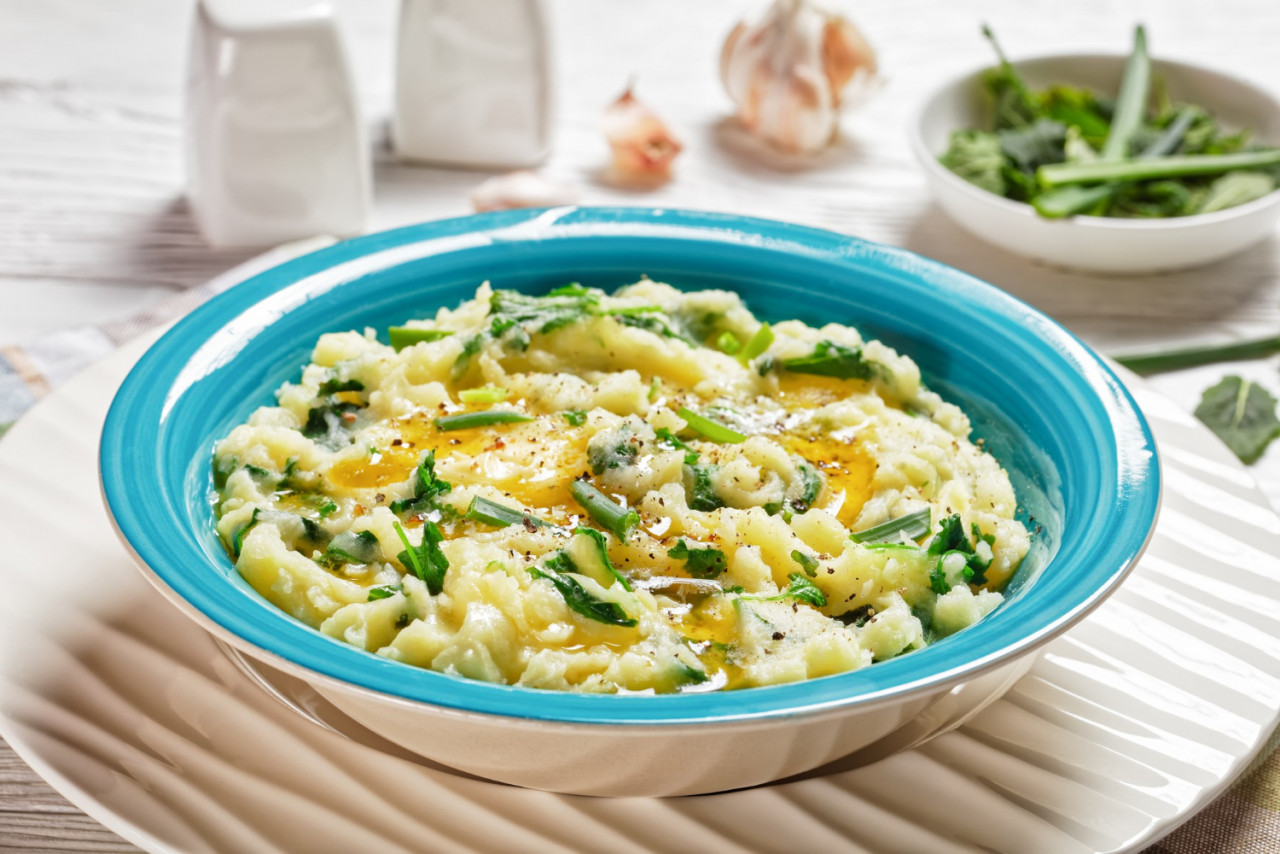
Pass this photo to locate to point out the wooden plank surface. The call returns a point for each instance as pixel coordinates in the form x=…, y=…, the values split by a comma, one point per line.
x=93, y=226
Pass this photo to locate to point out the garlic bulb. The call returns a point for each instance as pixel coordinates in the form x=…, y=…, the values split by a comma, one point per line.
x=791, y=72
x=521, y=189
x=643, y=147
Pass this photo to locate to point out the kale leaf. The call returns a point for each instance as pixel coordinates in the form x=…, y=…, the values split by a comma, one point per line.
x=1242, y=414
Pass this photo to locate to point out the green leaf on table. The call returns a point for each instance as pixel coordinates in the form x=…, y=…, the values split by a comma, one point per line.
x=1242, y=414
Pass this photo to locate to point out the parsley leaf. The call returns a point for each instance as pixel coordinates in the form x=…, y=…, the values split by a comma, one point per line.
x=427, y=561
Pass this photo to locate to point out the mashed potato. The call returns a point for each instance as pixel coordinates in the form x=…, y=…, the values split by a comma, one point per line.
x=649, y=491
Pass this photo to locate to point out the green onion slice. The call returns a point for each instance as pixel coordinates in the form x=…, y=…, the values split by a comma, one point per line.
x=714, y=431
x=468, y=420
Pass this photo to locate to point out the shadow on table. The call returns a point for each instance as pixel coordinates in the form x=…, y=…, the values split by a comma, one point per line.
x=168, y=249
x=1212, y=294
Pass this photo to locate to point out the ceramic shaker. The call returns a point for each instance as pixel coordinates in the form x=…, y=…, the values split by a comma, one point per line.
x=473, y=83
x=276, y=149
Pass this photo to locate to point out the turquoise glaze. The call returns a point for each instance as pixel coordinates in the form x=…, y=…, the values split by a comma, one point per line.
x=1079, y=452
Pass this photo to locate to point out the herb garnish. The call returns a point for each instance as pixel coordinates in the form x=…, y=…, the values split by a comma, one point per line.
x=576, y=596
x=427, y=488
x=485, y=418
x=699, y=562
x=800, y=588
x=600, y=507
x=427, y=560
x=914, y=525
x=482, y=509
x=829, y=359
x=713, y=430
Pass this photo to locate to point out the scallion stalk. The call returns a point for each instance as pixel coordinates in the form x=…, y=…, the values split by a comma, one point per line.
x=468, y=420
x=486, y=394
x=1131, y=103
x=1189, y=357
x=600, y=507
x=482, y=509
x=914, y=525
x=712, y=430
x=407, y=336
x=1146, y=169
x=761, y=341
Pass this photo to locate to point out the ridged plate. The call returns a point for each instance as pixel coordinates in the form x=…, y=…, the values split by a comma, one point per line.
x=1126, y=725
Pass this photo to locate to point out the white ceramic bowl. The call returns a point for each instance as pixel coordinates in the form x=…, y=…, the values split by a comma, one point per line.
x=1098, y=244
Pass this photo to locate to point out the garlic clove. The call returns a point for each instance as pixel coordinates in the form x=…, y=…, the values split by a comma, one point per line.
x=643, y=147
x=791, y=72
x=521, y=189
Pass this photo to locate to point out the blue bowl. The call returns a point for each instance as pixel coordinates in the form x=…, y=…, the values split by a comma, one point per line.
x=1079, y=453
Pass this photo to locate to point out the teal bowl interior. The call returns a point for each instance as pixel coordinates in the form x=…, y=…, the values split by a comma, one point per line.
x=1079, y=453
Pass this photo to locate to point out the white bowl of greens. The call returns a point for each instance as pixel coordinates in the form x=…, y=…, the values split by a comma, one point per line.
x=1105, y=163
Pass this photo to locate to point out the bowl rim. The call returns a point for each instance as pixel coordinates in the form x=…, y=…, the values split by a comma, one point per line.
x=139, y=407
x=928, y=159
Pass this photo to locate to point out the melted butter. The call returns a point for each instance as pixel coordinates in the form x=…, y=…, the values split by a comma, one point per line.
x=848, y=469
x=707, y=622
x=809, y=391
x=500, y=455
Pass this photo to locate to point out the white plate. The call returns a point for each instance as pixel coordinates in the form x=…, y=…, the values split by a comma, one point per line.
x=1127, y=725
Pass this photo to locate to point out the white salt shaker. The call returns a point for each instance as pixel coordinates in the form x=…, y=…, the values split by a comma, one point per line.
x=473, y=83
x=276, y=149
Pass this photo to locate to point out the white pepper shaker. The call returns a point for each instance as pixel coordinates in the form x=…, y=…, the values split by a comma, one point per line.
x=474, y=83
x=275, y=143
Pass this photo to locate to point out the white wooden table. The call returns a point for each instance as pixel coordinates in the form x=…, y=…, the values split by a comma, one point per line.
x=93, y=226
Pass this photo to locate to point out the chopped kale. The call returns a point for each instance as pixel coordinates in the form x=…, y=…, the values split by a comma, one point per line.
x=618, y=454
x=836, y=360
x=951, y=538
x=349, y=547
x=700, y=490
x=602, y=553
x=385, y=591
x=810, y=487
x=699, y=562
x=237, y=539
x=333, y=385
x=427, y=488
x=858, y=617
x=576, y=596
x=330, y=423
